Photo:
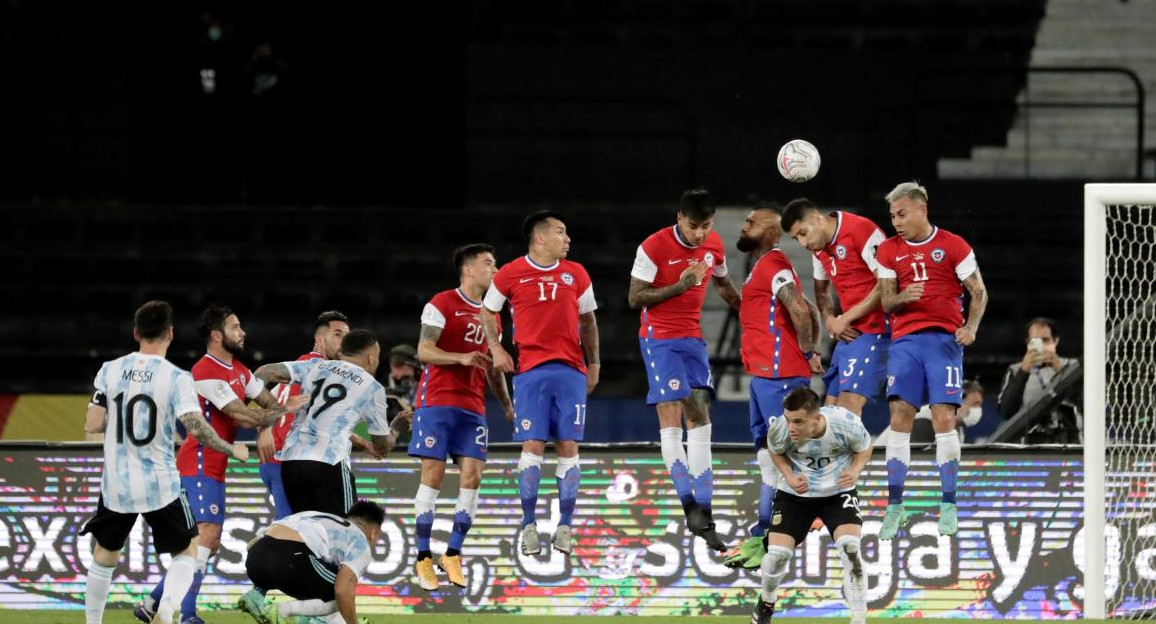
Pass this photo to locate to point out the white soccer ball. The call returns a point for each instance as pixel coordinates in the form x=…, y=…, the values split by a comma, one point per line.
x=798, y=160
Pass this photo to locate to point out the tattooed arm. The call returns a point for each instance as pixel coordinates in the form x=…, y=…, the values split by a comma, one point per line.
x=199, y=428
x=974, y=284
x=588, y=333
x=726, y=289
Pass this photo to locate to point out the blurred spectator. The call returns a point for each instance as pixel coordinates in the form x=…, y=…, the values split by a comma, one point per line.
x=266, y=72
x=1033, y=379
x=967, y=414
x=403, y=371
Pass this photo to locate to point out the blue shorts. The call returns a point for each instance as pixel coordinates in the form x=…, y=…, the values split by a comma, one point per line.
x=859, y=366
x=271, y=476
x=767, y=403
x=674, y=366
x=925, y=368
x=439, y=432
x=549, y=402
x=206, y=497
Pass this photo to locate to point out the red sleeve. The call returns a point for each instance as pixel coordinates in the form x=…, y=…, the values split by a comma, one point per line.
x=884, y=255
x=502, y=281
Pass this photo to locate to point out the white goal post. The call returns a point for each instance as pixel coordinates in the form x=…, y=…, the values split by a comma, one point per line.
x=1097, y=200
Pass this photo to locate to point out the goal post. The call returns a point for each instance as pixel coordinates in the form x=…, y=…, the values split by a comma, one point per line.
x=1107, y=315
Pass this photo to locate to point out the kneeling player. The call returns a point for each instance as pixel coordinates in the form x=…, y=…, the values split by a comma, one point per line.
x=820, y=453
x=316, y=558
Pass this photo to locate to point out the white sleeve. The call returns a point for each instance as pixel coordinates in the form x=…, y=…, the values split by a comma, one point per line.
x=185, y=395
x=494, y=299
x=720, y=268
x=359, y=563
x=777, y=437
x=586, y=302
x=868, y=251
x=782, y=278
x=817, y=269
x=966, y=267
x=298, y=369
x=432, y=316
x=883, y=272
x=100, y=391
x=644, y=268
x=216, y=391
x=859, y=440
x=377, y=422
x=254, y=387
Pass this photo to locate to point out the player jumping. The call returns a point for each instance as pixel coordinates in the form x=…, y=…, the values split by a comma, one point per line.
x=668, y=282
x=923, y=271
x=552, y=303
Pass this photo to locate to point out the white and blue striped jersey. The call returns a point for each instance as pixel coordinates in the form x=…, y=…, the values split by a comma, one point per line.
x=143, y=394
x=341, y=394
x=823, y=458
x=331, y=538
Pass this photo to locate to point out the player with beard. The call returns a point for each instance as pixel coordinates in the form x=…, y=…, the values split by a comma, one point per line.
x=224, y=387
x=780, y=328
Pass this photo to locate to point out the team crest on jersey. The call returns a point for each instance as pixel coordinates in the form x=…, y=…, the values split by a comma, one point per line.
x=673, y=384
x=841, y=252
x=214, y=509
x=430, y=442
x=567, y=279
x=890, y=380
x=937, y=255
x=708, y=259
x=525, y=424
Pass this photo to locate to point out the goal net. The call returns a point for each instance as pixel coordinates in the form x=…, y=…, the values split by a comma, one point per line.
x=1120, y=401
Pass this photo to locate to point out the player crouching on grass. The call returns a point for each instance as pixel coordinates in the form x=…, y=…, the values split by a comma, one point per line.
x=820, y=452
x=316, y=558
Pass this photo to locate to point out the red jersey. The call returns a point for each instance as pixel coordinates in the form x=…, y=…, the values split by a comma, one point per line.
x=283, y=392
x=545, y=303
x=849, y=263
x=942, y=261
x=453, y=385
x=770, y=344
x=218, y=384
x=660, y=260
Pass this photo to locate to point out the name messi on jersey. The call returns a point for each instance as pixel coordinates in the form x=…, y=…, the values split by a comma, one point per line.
x=337, y=369
x=137, y=376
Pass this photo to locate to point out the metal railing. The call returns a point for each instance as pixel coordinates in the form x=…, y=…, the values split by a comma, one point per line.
x=1027, y=104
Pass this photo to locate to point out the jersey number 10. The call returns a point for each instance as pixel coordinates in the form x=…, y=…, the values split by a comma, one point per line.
x=126, y=416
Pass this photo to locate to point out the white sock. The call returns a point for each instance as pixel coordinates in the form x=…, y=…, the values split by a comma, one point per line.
x=672, y=449
x=854, y=585
x=96, y=592
x=947, y=447
x=564, y=465
x=177, y=582
x=698, y=453
x=467, y=502
x=308, y=608
x=899, y=446
x=425, y=500
x=767, y=469
x=527, y=460
x=203, y=554
x=334, y=618
x=774, y=568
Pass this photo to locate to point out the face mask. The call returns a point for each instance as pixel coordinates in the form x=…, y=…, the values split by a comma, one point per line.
x=974, y=414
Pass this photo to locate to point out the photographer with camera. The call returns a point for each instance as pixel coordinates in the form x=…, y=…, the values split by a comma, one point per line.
x=1033, y=379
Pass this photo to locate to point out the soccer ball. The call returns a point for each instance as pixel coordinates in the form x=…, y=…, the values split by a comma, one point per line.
x=798, y=160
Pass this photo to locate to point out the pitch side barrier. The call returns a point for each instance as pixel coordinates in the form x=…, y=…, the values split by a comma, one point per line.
x=1018, y=554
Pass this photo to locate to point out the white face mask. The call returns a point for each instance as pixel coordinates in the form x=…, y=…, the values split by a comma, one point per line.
x=973, y=415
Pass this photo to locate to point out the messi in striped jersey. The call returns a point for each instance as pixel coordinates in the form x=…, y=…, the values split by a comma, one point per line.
x=316, y=558
x=450, y=419
x=225, y=386
x=137, y=401
x=820, y=452
x=341, y=393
